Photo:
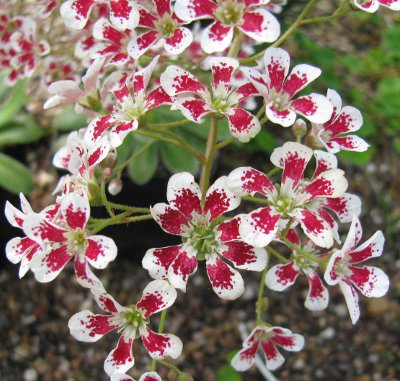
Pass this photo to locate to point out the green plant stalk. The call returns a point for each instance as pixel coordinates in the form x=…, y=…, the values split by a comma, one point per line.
x=224, y=143
x=278, y=256
x=300, y=251
x=169, y=124
x=104, y=198
x=170, y=366
x=261, y=292
x=132, y=209
x=332, y=17
x=122, y=218
x=209, y=156
x=274, y=171
x=256, y=199
x=160, y=330
x=237, y=43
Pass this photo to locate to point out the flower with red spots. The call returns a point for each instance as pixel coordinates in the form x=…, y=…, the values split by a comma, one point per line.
x=131, y=321
x=24, y=249
x=203, y=239
x=342, y=270
x=65, y=237
x=195, y=101
x=113, y=43
x=148, y=376
x=133, y=101
x=295, y=198
x=278, y=89
x=162, y=29
x=123, y=13
x=282, y=276
x=372, y=6
x=333, y=135
x=267, y=339
x=250, y=17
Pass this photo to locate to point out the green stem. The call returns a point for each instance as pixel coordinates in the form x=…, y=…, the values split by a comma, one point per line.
x=132, y=209
x=261, y=111
x=300, y=251
x=119, y=219
x=104, y=198
x=169, y=124
x=326, y=18
x=264, y=120
x=255, y=199
x=273, y=252
x=137, y=153
x=170, y=366
x=209, y=156
x=224, y=143
x=274, y=171
x=237, y=43
x=160, y=330
x=261, y=292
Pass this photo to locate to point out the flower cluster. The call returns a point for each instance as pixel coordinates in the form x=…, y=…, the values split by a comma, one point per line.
x=122, y=62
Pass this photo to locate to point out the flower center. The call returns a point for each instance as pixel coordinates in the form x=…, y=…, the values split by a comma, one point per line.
x=230, y=12
x=166, y=25
x=133, y=320
x=342, y=268
x=279, y=100
x=284, y=204
x=76, y=241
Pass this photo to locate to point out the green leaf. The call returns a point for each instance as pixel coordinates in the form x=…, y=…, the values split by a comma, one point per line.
x=392, y=41
x=176, y=159
x=357, y=158
x=14, y=103
x=20, y=132
x=14, y=176
x=227, y=373
x=143, y=167
x=69, y=120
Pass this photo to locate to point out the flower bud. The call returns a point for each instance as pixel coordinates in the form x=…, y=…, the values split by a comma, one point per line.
x=299, y=128
x=111, y=160
x=114, y=187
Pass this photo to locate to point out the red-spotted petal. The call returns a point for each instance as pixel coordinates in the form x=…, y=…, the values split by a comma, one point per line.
x=179, y=41
x=325, y=162
x=39, y=229
x=229, y=230
x=106, y=302
x=157, y=97
x=183, y=193
x=75, y=209
x=242, y=124
x=140, y=44
x=124, y=14
x=286, y=339
x=88, y=327
x=97, y=127
x=119, y=131
x=157, y=261
x=189, y=10
x=280, y=277
x=370, y=6
x=149, y=376
x=300, y=76
x=244, y=256
x=285, y=116
x=18, y=247
x=351, y=298
x=260, y=25
x=219, y=199
x=246, y=181
x=353, y=236
x=315, y=107
x=273, y=359
x=222, y=70
x=184, y=265
x=346, y=143
x=318, y=295
x=314, y=227
x=192, y=108
x=120, y=358
x=176, y=80
x=370, y=249
x=216, y=37
x=344, y=207
x=226, y=282
x=293, y=159
x=75, y=13
x=157, y=296
x=161, y=346
x=260, y=226
x=245, y=358
x=47, y=265
x=85, y=276
x=371, y=281
x=170, y=219
x=100, y=251
x=257, y=79
x=14, y=216
x=277, y=63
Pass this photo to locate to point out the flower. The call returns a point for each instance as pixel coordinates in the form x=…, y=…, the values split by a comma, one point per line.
x=247, y=16
x=295, y=198
x=281, y=276
x=278, y=89
x=341, y=269
x=133, y=102
x=123, y=13
x=195, y=101
x=65, y=237
x=372, y=6
x=164, y=29
x=24, y=249
x=148, y=376
x=131, y=321
x=332, y=134
x=113, y=43
x=202, y=238
x=69, y=92
x=268, y=338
